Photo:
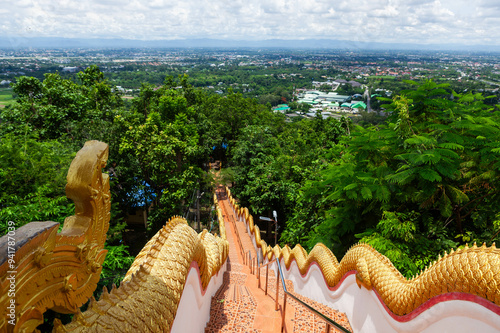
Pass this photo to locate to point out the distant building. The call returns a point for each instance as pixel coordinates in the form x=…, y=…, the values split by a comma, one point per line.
x=358, y=105
x=316, y=97
x=318, y=84
x=71, y=69
x=283, y=108
x=354, y=84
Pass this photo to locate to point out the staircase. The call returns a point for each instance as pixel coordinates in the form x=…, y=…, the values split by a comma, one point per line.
x=233, y=308
x=241, y=306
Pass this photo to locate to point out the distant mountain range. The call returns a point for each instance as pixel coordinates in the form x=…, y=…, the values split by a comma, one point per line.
x=55, y=42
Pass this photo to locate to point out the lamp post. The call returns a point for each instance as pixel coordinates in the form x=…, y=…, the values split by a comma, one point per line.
x=275, y=220
x=198, y=197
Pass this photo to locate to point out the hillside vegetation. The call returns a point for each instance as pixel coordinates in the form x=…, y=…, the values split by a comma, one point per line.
x=419, y=183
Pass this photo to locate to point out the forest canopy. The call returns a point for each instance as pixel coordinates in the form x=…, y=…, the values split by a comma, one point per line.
x=417, y=184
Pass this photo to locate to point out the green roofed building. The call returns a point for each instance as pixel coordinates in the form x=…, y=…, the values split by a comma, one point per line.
x=358, y=105
x=283, y=108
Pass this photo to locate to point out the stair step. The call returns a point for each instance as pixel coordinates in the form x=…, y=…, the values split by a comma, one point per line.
x=240, y=306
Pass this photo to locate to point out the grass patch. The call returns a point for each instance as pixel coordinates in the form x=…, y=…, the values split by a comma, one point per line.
x=6, y=97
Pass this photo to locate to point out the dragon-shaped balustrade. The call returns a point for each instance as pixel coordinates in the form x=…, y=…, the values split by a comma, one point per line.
x=470, y=274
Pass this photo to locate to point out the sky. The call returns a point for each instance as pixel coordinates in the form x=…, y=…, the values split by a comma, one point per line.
x=390, y=21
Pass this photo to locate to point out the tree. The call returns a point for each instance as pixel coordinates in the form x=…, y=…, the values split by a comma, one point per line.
x=226, y=116
x=272, y=163
x=325, y=88
x=431, y=167
x=32, y=178
x=55, y=107
x=165, y=147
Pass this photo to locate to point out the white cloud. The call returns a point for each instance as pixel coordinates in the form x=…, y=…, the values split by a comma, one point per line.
x=489, y=3
x=424, y=21
x=386, y=12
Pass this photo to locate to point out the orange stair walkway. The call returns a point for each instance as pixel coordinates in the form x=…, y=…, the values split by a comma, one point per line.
x=241, y=306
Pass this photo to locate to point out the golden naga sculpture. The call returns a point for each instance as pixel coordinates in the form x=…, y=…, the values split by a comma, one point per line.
x=60, y=271
x=472, y=270
x=148, y=297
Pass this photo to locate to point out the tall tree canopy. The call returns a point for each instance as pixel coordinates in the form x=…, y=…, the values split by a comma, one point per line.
x=421, y=183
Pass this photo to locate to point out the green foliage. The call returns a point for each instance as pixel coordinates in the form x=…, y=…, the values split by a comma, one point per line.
x=413, y=186
x=434, y=156
x=34, y=207
x=32, y=176
x=394, y=238
x=272, y=162
x=53, y=107
x=115, y=266
x=165, y=147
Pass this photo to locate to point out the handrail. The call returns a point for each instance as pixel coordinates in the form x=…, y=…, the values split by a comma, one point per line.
x=242, y=252
x=238, y=238
x=328, y=320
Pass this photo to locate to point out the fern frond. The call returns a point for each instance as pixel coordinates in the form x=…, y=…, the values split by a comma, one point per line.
x=429, y=174
x=451, y=145
x=366, y=193
x=401, y=178
x=456, y=195
x=382, y=194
